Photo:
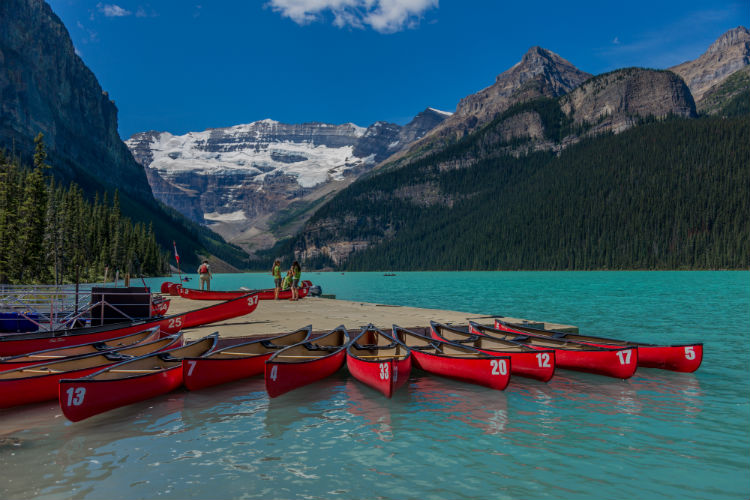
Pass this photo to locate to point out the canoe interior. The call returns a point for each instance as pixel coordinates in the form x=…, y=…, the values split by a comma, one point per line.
x=549, y=343
x=67, y=365
x=576, y=337
x=79, y=350
x=320, y=347
x=157, y=362
x=374, y=345
x=479, y=341
x=431, y=346
x=264, y=346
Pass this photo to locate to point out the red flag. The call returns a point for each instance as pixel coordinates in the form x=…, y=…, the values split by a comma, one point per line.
x=176, y=255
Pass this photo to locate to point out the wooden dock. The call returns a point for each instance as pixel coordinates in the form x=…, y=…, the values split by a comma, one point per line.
x=281, y=316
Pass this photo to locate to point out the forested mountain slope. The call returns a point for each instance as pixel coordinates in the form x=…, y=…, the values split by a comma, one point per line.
x=664, y=195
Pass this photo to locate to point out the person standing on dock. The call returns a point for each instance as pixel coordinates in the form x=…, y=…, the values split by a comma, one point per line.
x=296, y=273
x=276, y=272
x=205, y=275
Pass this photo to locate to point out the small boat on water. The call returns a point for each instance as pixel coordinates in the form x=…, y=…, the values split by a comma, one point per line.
x=307, y=362
x=128, y=382
x=266, y=294
x=47, y=355
x=525, y=361
x=679, y=358
x=379, y=360
x=456, y=361
x=39, y=382
x=13, y=344
x=617, y=362
x=237, y=361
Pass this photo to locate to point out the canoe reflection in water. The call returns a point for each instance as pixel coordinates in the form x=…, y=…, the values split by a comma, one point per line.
x=323, y=402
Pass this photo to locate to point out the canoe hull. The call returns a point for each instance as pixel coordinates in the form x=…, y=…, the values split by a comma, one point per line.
x=616, y=362
x=385, y=376
x=80, y=399
x=685, y=358
x=160, y=308
x=18, y=392
x=492, y=373
x=676, y=358
x=283, y=377
x=267, y=294
x=199, y=373
x=536, y=365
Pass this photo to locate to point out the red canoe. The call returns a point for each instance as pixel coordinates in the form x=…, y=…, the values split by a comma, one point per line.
x=305, y=363
x=160, y=308
x=39, y=382
x=617, y=362
x=47, y=355
x=267, y=294
x=679, y=358
x=11, y=345
x=237, y=361
x=378, y=360
x=129, y=382
x=525, y=361
x=456, y=361
x=165, y=287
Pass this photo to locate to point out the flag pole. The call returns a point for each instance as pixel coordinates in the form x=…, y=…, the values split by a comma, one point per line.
x=177, y=258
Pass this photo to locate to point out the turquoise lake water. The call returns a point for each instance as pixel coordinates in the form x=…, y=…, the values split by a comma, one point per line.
x=658, y=435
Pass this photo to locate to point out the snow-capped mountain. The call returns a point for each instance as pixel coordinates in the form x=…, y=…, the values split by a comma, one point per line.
x=240, y=179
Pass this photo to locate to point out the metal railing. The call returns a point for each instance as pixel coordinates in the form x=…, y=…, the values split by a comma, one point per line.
x=54, y=307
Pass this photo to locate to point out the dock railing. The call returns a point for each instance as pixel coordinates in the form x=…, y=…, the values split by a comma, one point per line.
x=55, y=307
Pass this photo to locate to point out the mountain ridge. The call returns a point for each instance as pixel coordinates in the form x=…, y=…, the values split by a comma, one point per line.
x=237, y=178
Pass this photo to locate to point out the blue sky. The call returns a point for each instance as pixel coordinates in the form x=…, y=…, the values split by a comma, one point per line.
x=182, y=65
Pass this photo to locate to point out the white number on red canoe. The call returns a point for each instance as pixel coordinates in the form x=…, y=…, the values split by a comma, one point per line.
x=75, y=395
x=175, y=322
x=624, y=356
x=252, y=300
x=383, y=371
x=499, y=367
x=191, y=367
x=274, y=372
x=689, y=352
x=543, y=359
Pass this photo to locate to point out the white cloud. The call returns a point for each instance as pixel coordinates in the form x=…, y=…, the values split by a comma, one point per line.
x=384, y=16
x=616, y=41
x=112, y=10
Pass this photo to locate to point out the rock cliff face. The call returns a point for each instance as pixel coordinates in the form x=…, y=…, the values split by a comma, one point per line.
x=46, y=87
x=540, y=73
x=242, y=179
x=728, y=54
x=615, y=101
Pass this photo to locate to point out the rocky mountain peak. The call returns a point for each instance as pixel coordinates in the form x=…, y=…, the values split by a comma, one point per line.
x=728, y=54
x=539, y=73
x=735, y=36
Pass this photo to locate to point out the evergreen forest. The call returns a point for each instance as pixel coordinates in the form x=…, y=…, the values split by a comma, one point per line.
x=50, y=233
x=671, y=194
